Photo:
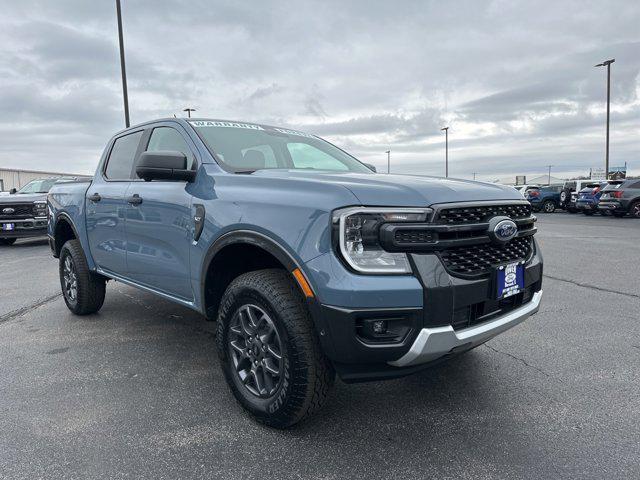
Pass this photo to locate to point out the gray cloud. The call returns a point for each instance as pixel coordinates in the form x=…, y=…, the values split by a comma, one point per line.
x=513, y=79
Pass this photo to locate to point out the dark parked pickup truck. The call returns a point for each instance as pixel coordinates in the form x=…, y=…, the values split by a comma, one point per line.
x=23, y=213
x=311, y=263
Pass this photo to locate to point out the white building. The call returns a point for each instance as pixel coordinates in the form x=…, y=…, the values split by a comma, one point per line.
x=11, y=178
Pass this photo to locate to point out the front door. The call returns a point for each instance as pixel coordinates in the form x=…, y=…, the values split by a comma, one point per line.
x=106, y=207
x=159, y=224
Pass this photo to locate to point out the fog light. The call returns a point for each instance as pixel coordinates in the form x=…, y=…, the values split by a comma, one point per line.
x=379, y=327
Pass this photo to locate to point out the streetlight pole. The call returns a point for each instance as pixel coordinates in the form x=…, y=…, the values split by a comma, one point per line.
x=122, y=65
x=607, y=64
x=189, y=110
x=446, y=151
x=474, y=175
x=388, y=152
x=549, y=182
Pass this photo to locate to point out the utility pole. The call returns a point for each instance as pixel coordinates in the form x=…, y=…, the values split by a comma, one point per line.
x=446, y=151
x=388, y=152
x=549, y=182
x=607, y=64
x=474, y=175
x=122, y=66
x=189, y=110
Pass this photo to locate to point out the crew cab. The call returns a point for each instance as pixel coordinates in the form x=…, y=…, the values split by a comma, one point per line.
x=621, y=197
x=23, y=213
x=311, y=263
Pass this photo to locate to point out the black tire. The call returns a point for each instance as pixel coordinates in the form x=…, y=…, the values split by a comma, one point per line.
x=618, y=214
x=7, y=241
x=548, y=206
x=305, y=374
x=88, y=295
x=634, y=209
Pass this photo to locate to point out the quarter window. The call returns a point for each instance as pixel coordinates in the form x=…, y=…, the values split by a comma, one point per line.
x=123, y=153
x=169, y=139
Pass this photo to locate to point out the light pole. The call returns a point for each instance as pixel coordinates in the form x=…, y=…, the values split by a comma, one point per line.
x=607, y=64
x=122, y=65
x=388, y=152
x=474, y=175
x=189, y=110
x=446, y=151
x=549, y=182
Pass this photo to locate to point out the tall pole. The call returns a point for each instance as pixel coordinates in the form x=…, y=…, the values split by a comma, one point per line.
x=549, y=182
x=607, y=64
x=122, y=66
x=446, y=151
x=474, y=175
x=388, y=152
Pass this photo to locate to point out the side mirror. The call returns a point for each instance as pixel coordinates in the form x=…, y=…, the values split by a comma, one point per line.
x=370, y=167
x=164, y=165
x=12, y=191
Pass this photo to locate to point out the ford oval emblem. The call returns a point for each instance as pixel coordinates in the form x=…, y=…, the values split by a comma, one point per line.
x=505, y=230
x=8, y=211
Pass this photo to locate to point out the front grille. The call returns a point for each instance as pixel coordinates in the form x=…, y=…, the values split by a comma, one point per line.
x=480, y=214
x=413, y=236
x=20, y=210
x=479, y=260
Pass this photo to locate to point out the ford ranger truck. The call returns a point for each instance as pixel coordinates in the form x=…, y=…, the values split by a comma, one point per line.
x=311, y=263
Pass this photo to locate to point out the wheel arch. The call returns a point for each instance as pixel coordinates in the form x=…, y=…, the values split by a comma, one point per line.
x=64, y=230
x=256, y=251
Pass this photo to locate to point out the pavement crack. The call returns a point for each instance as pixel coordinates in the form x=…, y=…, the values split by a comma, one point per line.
x=24, y=310
x=592, y=287
x=521, y=360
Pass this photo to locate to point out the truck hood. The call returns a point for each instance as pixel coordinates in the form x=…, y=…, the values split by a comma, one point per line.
x=402, y=190
x=22, y=198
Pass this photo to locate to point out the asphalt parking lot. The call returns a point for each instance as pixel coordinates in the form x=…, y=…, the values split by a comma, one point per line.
x=135, y=391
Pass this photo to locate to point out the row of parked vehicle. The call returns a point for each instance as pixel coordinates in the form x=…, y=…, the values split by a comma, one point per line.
x=612, y=197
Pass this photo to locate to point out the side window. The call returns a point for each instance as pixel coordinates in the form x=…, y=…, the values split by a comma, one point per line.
x=304, y=155
x=167, y=138
x=120, y=163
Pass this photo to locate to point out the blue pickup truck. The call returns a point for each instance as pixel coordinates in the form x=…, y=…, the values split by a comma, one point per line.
x=311, y=263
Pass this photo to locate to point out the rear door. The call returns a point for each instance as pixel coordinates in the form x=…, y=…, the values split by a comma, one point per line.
x=105, y=204
x=159, y=222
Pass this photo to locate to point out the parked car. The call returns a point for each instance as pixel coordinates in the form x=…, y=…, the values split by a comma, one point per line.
x=545, y=199
x=589, y=197
x=23, y=213
x=621, y=197
x=569, y=194
x=524, y=188
x=311, y=263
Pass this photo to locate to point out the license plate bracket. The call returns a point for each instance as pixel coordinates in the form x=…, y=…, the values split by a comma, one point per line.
x=509, y=279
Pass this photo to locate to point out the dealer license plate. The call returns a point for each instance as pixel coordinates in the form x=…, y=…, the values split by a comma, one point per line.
x=8, y=226
x=510, y=279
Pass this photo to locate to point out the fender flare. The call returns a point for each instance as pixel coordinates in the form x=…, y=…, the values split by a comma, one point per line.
x=64, y=216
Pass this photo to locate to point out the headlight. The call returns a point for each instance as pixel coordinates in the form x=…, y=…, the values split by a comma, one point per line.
x=40, y=209
x=358, y=229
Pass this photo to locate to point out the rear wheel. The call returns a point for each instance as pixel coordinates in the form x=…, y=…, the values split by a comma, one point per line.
x=548, y=206
x=7, y=241
x=634, y=209
x=83, y=290
x=269, y=350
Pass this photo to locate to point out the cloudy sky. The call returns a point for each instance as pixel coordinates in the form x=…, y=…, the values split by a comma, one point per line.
x=514, y=80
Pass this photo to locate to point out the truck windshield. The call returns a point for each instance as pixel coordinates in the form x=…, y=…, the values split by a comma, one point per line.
x=38, y=186
x=246, y=147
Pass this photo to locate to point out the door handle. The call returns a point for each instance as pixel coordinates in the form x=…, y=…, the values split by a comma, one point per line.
x=135, y=199
x=95, y=197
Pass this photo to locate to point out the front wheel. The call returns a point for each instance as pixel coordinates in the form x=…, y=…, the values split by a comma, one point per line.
x=269, y=351
x=548, y=206
x=83, y=290
x=7, y=241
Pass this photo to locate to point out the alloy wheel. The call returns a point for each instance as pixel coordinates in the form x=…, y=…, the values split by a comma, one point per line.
x=70, y=279
x=256, y=351
x=635, y=211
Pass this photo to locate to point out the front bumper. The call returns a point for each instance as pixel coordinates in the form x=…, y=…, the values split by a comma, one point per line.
x=24, y=228
x=433, y=343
